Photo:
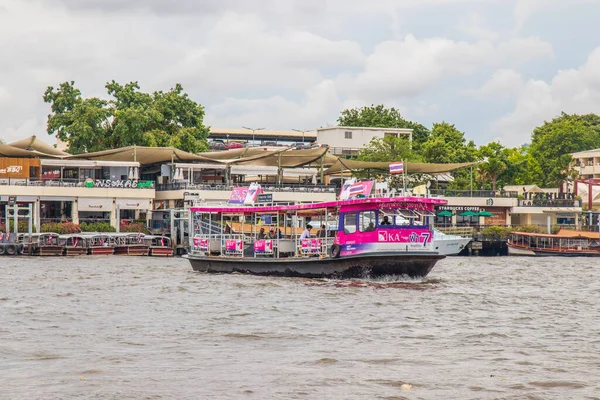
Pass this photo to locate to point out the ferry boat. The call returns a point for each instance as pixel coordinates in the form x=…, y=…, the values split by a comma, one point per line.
x=100, y=244
x=159, y=246
x=375, y=237
x=449, y=245
x=74, y=245
x=564, y=243
x=41, y=244
x=131, y=244
x=9, y=245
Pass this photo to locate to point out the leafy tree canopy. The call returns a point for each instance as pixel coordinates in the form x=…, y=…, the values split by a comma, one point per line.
x=130, y=117
x=381, y=117
x=448, y=145
x=553, y=142
x=388, y=148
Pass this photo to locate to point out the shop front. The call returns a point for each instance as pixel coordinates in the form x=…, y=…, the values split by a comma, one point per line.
x=133, y=209
x=95, y=209
x=56, y=209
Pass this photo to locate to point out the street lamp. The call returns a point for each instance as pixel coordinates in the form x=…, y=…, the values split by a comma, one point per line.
x=253, y=130
x=303, y=132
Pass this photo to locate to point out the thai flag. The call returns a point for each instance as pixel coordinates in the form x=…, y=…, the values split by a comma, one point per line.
x=356, y=189
x=139, y=237
x=397, y=168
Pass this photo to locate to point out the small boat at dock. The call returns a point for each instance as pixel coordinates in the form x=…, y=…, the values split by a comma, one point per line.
x=159, y=246
x=73, y=245
x=131, y=244
x=374, y=237
x=42, y=244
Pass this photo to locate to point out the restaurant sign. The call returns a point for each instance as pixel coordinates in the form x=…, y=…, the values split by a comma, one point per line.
x=126, y=184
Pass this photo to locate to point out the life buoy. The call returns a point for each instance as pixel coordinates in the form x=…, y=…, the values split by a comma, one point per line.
x=335, y=251
x=2, y=249
x=11, y=249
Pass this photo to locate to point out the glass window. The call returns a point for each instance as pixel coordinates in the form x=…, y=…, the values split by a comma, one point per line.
x=366, y=221
x=349, y=222
x=348, y=135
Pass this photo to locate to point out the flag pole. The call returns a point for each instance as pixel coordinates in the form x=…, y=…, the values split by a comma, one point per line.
x=403, y=179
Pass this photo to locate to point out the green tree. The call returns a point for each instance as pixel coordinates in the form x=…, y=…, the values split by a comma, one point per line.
x=380, y=117
x=494, y=155
x=553, y=142
x=130, y=117
x=388, y=148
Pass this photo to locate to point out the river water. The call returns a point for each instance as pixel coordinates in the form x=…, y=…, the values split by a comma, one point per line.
x=150, y=328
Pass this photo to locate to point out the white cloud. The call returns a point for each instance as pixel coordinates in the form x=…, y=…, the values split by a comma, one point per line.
x=504, y=83
x=571, y=91
x=474, y=24
x=408, y=67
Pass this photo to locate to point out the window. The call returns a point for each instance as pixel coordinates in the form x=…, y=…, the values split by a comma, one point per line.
x=366, y=221
x=348, y=134
x=349, y=222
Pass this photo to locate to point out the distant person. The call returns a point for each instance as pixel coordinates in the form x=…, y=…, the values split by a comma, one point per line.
x=322, y=232
x=306, y=232
x=272, y=234
x=279, y=234
x=386, y=221
x=261, y=233
x=370, y=228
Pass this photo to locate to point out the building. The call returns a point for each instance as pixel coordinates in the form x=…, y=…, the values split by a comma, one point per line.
x=587, y=163
x=261, y=135
x=344, y=140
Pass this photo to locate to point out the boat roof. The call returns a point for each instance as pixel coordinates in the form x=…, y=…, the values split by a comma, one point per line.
x=315, y=206
x=562, y=234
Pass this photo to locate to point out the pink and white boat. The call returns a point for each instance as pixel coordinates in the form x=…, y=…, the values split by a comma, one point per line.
x=372, y=237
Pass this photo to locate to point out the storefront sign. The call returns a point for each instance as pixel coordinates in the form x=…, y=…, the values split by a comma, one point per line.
x=132, y=204
x=127, y=184
x=19, y=168
x=95, y=204
x=459, y=208
x=188, y=196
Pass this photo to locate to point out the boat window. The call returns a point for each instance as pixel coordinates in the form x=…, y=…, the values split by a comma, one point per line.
x=349, y=222
x=366, y=221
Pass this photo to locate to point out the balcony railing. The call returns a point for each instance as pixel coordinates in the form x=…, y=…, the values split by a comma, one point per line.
x=129, y=184
x=265, y=187
x=473, y=193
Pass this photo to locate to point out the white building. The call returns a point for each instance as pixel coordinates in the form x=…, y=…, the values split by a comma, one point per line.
x=348, y=139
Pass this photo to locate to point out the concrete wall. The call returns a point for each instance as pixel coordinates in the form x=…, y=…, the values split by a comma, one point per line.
x=336, y=136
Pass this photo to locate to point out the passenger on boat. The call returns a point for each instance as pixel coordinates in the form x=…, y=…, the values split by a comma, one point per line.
x=261, y=234
x=321, y=232
x=385, y=221
x=279, y=234
x=306, y=232
x=370, y=228
x=272, y=234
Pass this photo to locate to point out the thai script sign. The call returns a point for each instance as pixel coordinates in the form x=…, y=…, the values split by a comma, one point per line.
x=130, y=183
x=263, y=246
x=245, y=195
x=201, y=244
x=311, y=245
x=234, y=246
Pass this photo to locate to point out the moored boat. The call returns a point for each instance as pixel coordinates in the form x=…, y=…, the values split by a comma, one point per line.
x=159, y=246
x=563, y=244
x=374, y=237
x=100, y=244
x=74, y=244
x=42, y=244
x=448, y=244
x=131, y=244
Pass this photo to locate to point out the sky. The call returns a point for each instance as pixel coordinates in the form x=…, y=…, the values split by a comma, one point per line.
x=494, y=68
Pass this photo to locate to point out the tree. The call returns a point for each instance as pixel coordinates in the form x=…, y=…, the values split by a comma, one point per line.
x=448, y=145
x=553, y=142
x=495, y=163
x=130, y=117
x=381, y=117
x=388, y=148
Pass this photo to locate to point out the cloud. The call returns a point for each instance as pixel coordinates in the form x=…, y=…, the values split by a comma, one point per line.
x=571, y=91
x=504, y=83
x=408, y=67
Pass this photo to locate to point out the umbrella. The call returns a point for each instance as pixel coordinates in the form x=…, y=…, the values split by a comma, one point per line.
x=469, y=214
x=445, y=213
x=486, y=214
x=130, y=175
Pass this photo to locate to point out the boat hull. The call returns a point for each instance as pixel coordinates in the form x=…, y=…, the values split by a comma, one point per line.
x=450, y=247
x=413, y=265
x=101, y=250
x=528, y=251
x=132, y=250
x=161, y=251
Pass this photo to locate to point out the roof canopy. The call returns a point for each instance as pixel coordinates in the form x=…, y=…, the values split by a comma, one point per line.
x=7, y=150
x=31, y=143
x=143, y=155
x=342, y=165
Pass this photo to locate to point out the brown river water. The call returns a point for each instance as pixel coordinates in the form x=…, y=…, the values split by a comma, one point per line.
x=150, y=328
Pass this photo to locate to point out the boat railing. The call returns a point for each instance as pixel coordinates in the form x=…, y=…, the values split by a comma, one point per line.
x=223, y=244
x=465, y=231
